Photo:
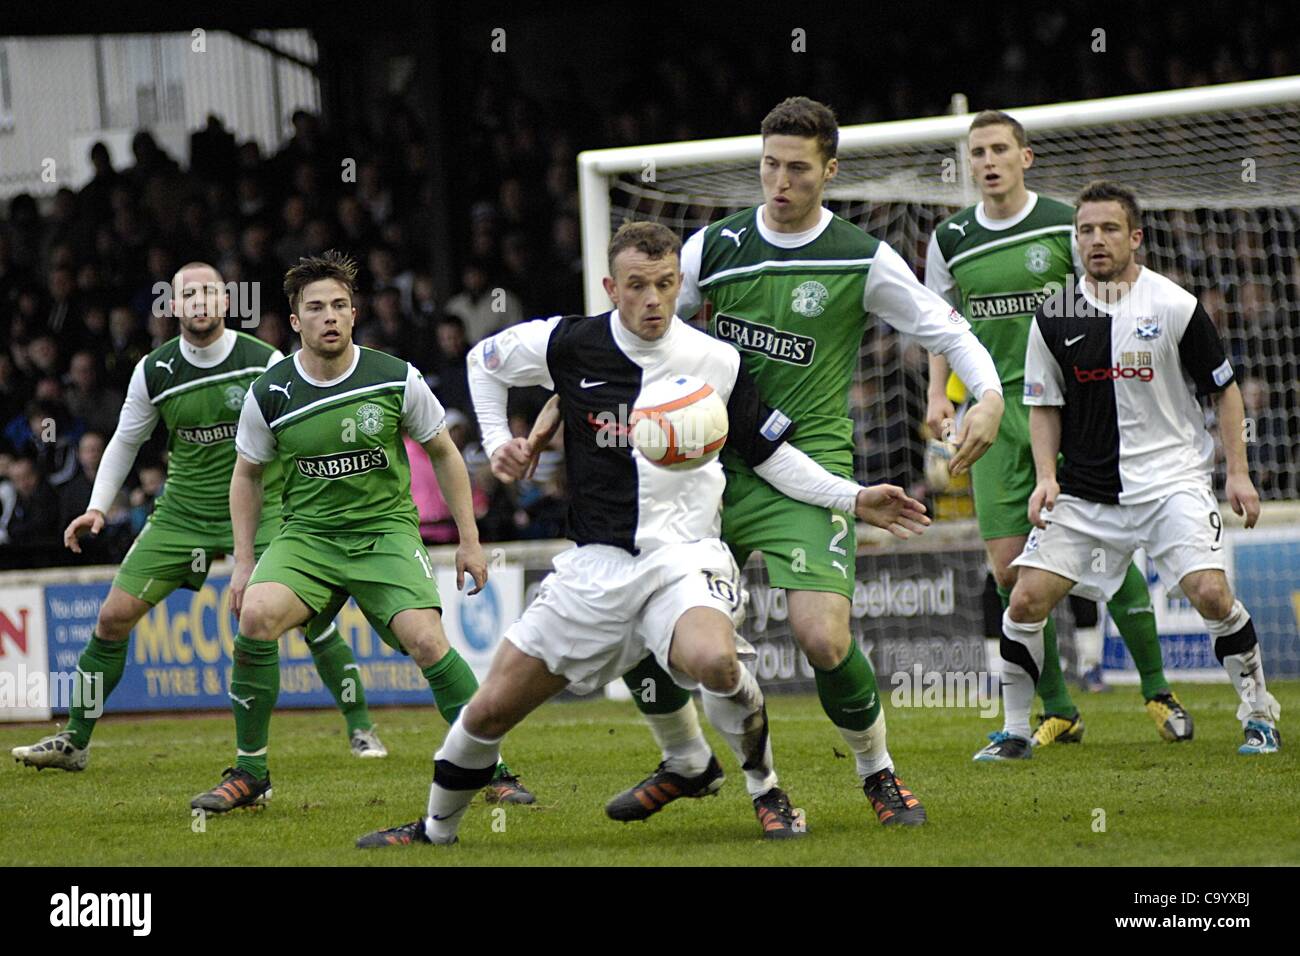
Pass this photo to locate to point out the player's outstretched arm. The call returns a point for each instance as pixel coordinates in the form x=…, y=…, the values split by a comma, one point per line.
x=760, y=435
x=453, y=479
x=245, y=513
x=1230, y=412
x=1045, y=439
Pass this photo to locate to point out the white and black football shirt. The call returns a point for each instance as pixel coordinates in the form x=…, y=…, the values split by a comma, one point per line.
x=1126, y=377
x=598, y=368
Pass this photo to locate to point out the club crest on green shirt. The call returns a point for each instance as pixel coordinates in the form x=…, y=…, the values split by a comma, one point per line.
x=809, y=299
x=1038, y=258
x=370, y=418
x=235, y=396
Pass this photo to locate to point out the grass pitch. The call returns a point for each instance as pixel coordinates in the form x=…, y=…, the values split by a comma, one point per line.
x=1196, y=803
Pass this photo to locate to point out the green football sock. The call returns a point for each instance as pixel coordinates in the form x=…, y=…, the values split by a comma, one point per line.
x=102, y=663
x=653, y=691
x=1051, y=681
x=340, y=674
x=452, y=683
x=848, y=692
x=1135, y=619
x=254, y=687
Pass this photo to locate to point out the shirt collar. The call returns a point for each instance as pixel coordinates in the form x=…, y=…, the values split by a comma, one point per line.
x=356, y=357
x=791, y=240
x=208, y=356
x=997, y=225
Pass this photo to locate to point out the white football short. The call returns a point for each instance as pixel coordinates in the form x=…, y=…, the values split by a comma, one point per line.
x=1093, y=544
x=602, y=609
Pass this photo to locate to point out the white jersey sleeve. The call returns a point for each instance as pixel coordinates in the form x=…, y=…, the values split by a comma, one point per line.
x=513, y=357
x=254, y=439
x=134, y=426
x=1044, y=384
x=423, y=416
x=798, y=476
x=937, y=277
x=691, y=298
x=893, y=293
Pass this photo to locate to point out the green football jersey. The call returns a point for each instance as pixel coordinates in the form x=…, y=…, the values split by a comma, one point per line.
x=200, y=408
x=340, y=442
x=797, y=317
x=1001, y=275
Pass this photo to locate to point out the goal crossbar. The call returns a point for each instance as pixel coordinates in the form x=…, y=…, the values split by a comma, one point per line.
x=595, y=167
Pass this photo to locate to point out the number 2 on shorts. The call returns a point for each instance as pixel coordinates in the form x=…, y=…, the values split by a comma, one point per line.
x=838, y=521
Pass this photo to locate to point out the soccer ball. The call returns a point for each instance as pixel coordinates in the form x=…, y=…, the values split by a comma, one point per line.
x=679, y=422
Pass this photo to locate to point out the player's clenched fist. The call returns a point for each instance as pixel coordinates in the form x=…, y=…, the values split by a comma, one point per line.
x=1043, y=498
x=511, y=461
x=890, y=508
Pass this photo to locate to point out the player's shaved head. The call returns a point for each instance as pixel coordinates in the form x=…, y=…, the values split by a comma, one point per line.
x=800, y=116
x=199, y=301
x=999, y=118
x=192, y=267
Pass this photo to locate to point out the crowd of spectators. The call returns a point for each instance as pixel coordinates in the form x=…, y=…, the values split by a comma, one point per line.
x=78, y=270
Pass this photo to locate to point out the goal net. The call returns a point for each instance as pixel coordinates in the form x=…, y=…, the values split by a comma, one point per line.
x=1217, y=170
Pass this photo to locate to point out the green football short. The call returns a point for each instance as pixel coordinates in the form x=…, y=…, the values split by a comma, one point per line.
x=805, y=548
x=1005, y=477
x=386, y=573
x=167, y=555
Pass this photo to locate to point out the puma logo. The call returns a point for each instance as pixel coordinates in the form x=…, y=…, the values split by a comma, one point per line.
x=244, y=702
x=728, y=234
x=159, y=363
x=960, y=227
x=280, y=388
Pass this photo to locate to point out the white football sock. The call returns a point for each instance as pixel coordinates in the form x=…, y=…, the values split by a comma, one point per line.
x=1246, y=669
x=868, y=746
x=681, y=741
x=1017, y=682
x=739, y=716
x=446, y=806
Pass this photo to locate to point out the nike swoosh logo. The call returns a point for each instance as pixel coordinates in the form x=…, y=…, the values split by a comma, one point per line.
x=1069, y=342
x=586, y=384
